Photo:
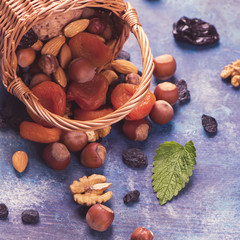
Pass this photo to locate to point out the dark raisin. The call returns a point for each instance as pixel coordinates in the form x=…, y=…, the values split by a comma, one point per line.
x=184, y=94
x=195, y=31
x=209, y=123
x=3, y=211
x=30, y=216
x=123, y=55
x=131, y=196
x=134, y=157
x=139, y=73
x=28, y=39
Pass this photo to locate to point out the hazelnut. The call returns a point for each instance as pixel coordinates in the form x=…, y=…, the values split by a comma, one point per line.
x=162, y=112
x=81, y=70
x=167, y=91
x=99, y=217
x=57, y=156
x=164, y=67
x=48, y=64
x=74, y=140
x=136, y=130
x=93, y=155
x=141, y=233
x=25, y=57
x=133, y=78
x=96, y=26
x=38, y=78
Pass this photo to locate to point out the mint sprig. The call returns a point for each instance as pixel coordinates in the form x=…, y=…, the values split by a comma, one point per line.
x=173, y=165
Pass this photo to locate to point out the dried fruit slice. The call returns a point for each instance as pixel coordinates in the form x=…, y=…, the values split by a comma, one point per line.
x=89, y=46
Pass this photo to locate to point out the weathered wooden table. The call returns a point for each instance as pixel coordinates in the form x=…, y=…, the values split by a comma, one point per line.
x=208, y=208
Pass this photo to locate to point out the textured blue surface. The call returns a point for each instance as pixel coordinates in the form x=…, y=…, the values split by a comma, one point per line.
x=208, y=208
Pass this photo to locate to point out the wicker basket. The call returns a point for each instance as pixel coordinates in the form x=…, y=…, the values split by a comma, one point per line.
x=18, y=16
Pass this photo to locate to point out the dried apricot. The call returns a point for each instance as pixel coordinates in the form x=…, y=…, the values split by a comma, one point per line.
x=89, y=46
x=89, y=95
x=123, y=92
x=52, y=97
x=84, y=115
x=37, y=133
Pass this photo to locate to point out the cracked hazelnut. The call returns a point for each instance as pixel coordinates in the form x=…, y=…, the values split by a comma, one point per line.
x=56, y=156
x=25, y=57
x=136, y=130
x=141, y=233
x=48, y=64
x=75, y=140
x=93, y=155
x=99, y=217
x=164, y=67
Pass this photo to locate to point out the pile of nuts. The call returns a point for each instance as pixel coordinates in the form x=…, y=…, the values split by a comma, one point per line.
x=232, y=71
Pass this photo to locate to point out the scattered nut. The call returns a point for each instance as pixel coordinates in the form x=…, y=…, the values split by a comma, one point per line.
x=99, y=217
x=93, y=155
x=141, y=233
x=20, y=161
x=48, y=64
x=89, y=190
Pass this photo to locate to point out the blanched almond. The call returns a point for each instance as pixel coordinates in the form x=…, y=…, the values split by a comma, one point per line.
x=20, y=161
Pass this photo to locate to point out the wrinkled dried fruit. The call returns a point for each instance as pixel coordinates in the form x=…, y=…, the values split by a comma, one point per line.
x=30, y=216
x=3, y=211
x=134, y=157
x=131, y=196
x=28, y=39
x=195, y=31
x=184, y=94
x=209, y=123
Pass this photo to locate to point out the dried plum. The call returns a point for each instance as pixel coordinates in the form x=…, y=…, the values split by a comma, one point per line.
x=134, y=157
x=28, y=39
x=184, y=93
x=3, y=211
x=30, y=216
x=131, y=196
x=123, y=55
x=195, y=31
x=209, y=123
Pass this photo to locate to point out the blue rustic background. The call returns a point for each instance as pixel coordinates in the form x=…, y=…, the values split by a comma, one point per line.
x=208, y=208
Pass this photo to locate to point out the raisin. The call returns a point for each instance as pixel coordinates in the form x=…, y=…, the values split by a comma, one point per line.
x=195, y=31
x=131, y=196
x=28, y=39
x=30, y=216
x=134, y=157
x=184, y=94
x=209, y=123
x=123, y=55
x=3, y=211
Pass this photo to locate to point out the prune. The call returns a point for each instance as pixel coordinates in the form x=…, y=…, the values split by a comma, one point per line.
x=134, y=157
x=195, y=31
x=3, y=211
x=131, y=196
x=209, y=123
x=30, y=216
x=28, y=39
x=184, y=94
x=123, y=55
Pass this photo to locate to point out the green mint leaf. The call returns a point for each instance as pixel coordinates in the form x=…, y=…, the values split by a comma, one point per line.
x=173, y=165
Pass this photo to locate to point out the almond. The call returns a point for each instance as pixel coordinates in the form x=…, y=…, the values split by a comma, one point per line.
x=124, y=66
x=53, y=46
x=110, y=75
x=37, y=46
x=20, y=161
x=60, y=77
x=75, y=27
x=65, y=56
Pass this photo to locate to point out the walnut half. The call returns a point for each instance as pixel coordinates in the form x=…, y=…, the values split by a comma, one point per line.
x=89, y=190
